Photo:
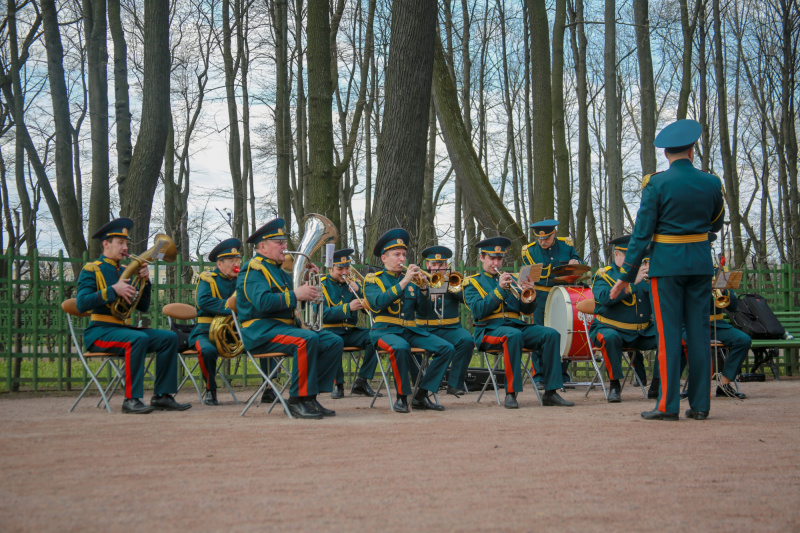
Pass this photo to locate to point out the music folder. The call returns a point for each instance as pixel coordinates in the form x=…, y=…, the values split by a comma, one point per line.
x=728, y=280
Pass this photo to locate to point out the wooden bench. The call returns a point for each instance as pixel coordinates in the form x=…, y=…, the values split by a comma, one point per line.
x=766, y=351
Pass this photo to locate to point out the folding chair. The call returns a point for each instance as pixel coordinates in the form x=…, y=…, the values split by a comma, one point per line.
x=352, y=352
x=717, y=349
x=493, y=369
x=587, y=307
x=422, y=368
x=385, y=381
x=70, y=308
x=280, y=359
x=176, y=311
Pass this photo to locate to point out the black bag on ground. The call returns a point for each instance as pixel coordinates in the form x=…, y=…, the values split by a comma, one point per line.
x=183, y=331
x=754, y=317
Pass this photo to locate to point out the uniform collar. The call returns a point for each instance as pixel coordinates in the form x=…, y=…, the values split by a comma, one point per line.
x=683, y=162
x=489, y=274
x=266, y=259
x=108, y=260
x=219, y=273
x=393, y=274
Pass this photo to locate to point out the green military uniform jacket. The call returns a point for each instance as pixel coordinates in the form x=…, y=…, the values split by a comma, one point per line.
x=392, y=307
x=675, y=209
x=211, y=296
x=451, y=313
x=630, y=314
x=264, y=298
x=337, y=315
x=559, y=254
x=492, y=306
x=96, y=294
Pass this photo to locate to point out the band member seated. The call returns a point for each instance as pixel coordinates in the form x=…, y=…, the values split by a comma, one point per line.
x=395, y=301
x=499, y=326
x=213, y=290
x=343, y=300
x=99, y=287
x=448, y=325
x=266, y=300
x=623, y=321
x=550, y=252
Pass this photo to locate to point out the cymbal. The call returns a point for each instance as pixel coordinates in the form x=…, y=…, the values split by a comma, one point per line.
x=570, y=280
x=570, y=270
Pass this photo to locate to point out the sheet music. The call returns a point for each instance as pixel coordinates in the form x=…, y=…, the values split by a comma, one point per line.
x=531, y=273
x=728, y=280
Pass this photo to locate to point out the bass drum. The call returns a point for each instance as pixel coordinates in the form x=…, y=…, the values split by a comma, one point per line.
x=561, y=314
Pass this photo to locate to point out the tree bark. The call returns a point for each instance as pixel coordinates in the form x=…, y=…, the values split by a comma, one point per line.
x=94, y=24
x=559, y=128
x=728, y=165
x=283, y=132
x=401, y=148
x=584, y=150
x=234, y=140
x=647, y=87
x=613, y=161
x=140, y=186
x=121, y=97
x=541, y=100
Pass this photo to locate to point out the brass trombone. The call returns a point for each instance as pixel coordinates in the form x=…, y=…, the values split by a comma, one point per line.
x=354, y=276
x=525, y=296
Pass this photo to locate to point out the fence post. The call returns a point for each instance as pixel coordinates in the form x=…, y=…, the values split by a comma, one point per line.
x=34, y=294
x=60, y=320
x=10, y=321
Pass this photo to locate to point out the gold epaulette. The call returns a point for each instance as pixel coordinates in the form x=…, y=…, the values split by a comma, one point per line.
x=323, y=278
x=92, y=267
x=567, y=240
x=465, y=282
x=207, y=276
x=646, y=180
x=370, y=278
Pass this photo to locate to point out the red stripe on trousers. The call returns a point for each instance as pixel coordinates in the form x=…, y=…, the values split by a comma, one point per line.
x=127, y=347
x=302, y=360
x=506, y=360
x=662, y=347
x=201, y=362
x=393, y=360
x=602, y=348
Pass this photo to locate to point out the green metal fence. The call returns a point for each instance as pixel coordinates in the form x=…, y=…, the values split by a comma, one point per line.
x=36, y=348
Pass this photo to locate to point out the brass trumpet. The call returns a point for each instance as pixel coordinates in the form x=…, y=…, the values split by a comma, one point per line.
x=525, y=296
x=427, y=279
x=455, y=282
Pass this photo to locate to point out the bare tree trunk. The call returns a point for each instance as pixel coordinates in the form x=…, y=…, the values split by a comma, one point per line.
x=283, y=132
x=559, y=128
x=234, y=141
x=485, y=204
x=528, y=123
x=613, y=161
x=687, y=28
x=401, y=150
x=70, y=214
x=705, y=139
x=584, y=150
x=544, y=199
x=427, y=230
x=728, y=164
x=121, y=99
x=647, y=87
x=140, y=187
x=94, y=24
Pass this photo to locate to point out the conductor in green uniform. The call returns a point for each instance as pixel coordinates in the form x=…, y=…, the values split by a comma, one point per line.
x=211, y=295
x=679, y=207
x=343, y=300
x=621, y=322
x=99, y=287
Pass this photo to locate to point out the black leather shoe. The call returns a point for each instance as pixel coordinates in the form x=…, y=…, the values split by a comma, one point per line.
x=166, y=402
x=135, y=406
x=304, y=409
x=361, y=388
x=684, y=394
x=337, y=393
x=655, y=414
x=323, y=410
x=613, y=396
x=423, y=403
x=268, y=396
x=551, y=397
x=697, y=415
x=455, y=391
x=728, y=390
x=401, y=406
x=210, y=398
x=510, y=402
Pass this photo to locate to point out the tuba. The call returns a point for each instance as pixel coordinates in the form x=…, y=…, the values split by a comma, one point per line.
x=317, y=231
x=163, y=250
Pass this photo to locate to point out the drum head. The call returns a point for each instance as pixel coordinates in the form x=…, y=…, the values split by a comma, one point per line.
x=558, y=315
